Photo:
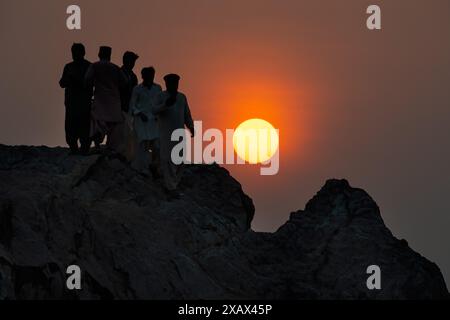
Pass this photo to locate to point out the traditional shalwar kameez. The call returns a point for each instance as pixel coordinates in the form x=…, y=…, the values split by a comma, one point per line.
x=171, y=118
x=106, y=114
x=77, y=100
x=142, y=102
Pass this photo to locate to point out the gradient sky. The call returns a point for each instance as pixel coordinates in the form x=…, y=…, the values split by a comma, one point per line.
x=372, y=107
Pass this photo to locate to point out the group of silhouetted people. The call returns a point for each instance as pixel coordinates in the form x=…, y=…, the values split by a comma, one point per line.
x=103, y=100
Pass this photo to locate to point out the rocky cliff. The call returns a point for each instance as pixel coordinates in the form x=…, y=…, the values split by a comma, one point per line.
x=132, y=242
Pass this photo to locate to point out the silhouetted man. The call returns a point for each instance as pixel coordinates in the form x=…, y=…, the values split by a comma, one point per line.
x=173, y=113
x=142, y=105
x=129, y=61
x=107, y=119
x=77, y=99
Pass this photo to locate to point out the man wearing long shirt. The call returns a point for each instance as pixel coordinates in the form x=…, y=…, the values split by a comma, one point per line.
x=107, y=120
x=129, y=61
x=77, y=99
x=145, y=125
x=173, y=113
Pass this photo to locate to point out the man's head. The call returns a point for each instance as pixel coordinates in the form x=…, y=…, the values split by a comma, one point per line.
x=129, y=60
x=105, y=53
x=172, y=82
x=78, y=51
x=148, y=75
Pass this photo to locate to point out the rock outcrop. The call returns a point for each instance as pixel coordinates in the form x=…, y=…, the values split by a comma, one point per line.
x=132, y=242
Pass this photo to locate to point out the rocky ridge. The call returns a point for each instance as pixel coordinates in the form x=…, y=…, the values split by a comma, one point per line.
x=132, y=242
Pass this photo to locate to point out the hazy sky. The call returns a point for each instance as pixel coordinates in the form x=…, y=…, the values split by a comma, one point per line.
x=369, y=106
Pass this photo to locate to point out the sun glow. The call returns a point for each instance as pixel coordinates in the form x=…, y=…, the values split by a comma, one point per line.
x=255, y=141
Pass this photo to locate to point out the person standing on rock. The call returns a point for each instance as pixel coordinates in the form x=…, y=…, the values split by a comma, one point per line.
x=141, y=108
x=129, y=61
x=107, y=120
x=173, y=113
x=77, y=99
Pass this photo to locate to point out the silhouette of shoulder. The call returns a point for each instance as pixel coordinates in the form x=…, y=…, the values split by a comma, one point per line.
x=76, y=64
x=182, y=96
x=74, y=73
x=107, y=63
x=141, y=86
x=107, y=68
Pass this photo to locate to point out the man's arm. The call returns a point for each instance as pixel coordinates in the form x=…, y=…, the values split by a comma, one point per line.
x=134, y=101
x=134, y=105
x=124, y=81
x=188, y=118
x=89, y=77
x=160, y=104
x=65, y=79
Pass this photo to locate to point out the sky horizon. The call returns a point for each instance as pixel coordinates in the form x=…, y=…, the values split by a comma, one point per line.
x=368, y=106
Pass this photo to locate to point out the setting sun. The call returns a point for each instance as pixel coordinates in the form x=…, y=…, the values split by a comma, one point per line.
x=255, y=141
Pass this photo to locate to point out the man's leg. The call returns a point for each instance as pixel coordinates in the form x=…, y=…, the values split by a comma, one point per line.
x=155, y=162
x=97, y=131
x=179, y=173
x=71, y=130
x=130, y=139
x=169, y=174
x=172, y=174
x=84, y=128
x=142, y=160
x=115, y=137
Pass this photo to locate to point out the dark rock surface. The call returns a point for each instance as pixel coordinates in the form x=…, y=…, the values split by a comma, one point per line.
x=132, y=242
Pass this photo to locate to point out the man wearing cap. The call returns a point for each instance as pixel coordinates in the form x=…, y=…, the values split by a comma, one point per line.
x=173, y=113
x=77, y=99
x=129, y=61
x=107, y=120
x=141, y=108
x=131, y=145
